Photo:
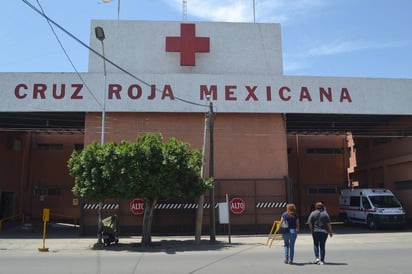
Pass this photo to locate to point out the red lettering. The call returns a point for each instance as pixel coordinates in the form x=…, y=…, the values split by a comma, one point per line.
x=205, y=92
x=168, y=92
x=229, y=93
x=17, y=91
x=76, y=93
x=138, y=92
x=153, y=92
x=251, y=91
x=304, y=94
x=282, y=93
x=62, y=93
x=323, y=93
x=269, y=93
x=39, y=91
x=114, y=90
x=344, y=95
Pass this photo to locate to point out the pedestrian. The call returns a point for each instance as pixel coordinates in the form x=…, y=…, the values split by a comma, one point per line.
x=320, y=226
x=289, y=237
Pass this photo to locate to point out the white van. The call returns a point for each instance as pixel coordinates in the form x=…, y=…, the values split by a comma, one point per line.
x=374, y=207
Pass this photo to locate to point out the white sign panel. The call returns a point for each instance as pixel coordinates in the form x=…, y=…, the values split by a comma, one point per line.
x=153, y=47
x=188, y=93
x=223, y=213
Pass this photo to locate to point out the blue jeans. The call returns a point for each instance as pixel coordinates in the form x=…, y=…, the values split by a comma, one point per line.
x=289, y=239
x=319, y=242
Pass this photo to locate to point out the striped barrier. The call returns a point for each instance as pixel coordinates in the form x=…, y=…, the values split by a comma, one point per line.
x=271, y=204
x=104, y=206
x=186, y=206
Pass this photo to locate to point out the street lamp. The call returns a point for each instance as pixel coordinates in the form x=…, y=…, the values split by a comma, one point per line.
x=100, y=36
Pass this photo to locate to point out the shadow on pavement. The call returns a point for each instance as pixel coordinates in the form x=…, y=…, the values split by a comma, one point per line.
x=168, y=246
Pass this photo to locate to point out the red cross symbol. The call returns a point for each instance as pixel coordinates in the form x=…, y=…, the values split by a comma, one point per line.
x=187, y=44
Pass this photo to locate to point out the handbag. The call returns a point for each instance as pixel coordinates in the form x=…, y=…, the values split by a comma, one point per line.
x=284, y=226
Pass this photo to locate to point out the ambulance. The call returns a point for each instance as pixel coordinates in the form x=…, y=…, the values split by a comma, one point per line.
x=376, y=208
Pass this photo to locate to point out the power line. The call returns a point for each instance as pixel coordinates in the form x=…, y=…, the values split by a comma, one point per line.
x=101, y=56
x=68, y=57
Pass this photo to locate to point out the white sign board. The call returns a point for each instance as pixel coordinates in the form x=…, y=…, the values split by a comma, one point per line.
x=188, y=93
x=223, y=213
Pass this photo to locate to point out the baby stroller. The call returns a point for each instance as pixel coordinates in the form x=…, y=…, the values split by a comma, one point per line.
x=110, y=230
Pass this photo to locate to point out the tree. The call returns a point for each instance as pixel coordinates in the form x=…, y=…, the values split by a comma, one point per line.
x=149, y=168
x=95, y=170
x=164, y=171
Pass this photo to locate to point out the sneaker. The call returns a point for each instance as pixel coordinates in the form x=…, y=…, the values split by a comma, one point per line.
x=290, y=262
x=320, y=263
x=286, y=261
x=316, y=261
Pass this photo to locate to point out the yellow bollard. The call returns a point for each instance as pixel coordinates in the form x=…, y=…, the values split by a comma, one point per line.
x=46, y=217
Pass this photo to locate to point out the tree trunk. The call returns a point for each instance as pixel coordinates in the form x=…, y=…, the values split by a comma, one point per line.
x=99, y=224
x=147, y=222
x=199, y=219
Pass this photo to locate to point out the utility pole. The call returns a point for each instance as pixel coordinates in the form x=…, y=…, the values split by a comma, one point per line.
x=199, y=211
x=184, y=10
x=254, y=12
x=211, y=174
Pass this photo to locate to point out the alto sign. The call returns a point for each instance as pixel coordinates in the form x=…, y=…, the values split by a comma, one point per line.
x=237, y=205
x=137, y=206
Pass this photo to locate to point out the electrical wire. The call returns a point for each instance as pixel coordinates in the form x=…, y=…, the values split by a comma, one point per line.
x=68, y=57
x=100, y=55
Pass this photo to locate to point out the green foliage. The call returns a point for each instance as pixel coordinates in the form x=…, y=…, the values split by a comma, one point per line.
x=95, y=170
x=149, y=168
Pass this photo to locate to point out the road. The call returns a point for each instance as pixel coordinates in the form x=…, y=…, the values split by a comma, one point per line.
x=347, y=252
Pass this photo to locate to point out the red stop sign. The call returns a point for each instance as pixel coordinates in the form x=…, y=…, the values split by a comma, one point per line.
x=237, y=205
x=137, y=206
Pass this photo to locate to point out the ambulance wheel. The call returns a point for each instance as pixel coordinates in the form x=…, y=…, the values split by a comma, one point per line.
x=371, y=222
x=344, y=219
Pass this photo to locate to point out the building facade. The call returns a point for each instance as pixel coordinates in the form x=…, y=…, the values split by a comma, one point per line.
x=160, y=77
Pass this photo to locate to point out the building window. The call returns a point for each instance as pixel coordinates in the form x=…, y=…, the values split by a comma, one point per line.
x=405, y=132
x=381, y=140
x=50, y=147
x=403, y=185
x=78, y=147
x=324, y=190
x=324, y=150
x=47, y=191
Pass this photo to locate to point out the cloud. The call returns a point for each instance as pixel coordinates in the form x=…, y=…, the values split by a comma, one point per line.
x=342, y=46
x=302, y=59
x=273, y=11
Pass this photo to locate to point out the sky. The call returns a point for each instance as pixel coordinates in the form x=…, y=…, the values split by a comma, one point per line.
x=342, y=38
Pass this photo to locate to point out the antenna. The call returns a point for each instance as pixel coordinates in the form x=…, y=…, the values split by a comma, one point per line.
x=184, y=10
x=254, y=12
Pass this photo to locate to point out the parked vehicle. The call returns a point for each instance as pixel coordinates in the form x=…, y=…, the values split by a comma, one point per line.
x=374, y=207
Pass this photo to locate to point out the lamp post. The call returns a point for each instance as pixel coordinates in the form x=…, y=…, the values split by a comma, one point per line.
x=100, y=36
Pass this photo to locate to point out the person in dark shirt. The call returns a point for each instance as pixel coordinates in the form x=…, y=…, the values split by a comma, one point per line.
x=320, y=227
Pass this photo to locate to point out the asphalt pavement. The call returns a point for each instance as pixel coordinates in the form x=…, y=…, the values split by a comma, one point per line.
x=350, y=250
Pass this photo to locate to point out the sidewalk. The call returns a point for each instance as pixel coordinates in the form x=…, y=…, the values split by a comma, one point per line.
x=60, y=237
x=66, y=238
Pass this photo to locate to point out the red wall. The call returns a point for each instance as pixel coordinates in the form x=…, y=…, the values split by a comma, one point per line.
x=26, y=168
